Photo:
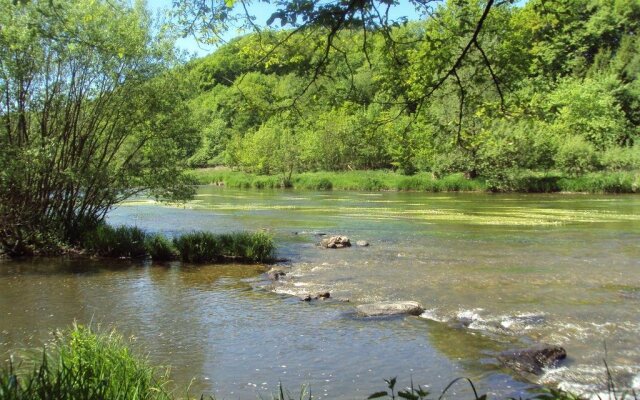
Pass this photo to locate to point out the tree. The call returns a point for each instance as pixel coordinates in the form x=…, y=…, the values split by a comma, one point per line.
x=207, y=20
x=90, y=116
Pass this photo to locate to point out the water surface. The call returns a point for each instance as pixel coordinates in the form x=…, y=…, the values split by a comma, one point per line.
x=512, y=269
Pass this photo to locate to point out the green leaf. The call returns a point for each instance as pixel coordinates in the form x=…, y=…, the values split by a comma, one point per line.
x=405, y=394
x=391, y=382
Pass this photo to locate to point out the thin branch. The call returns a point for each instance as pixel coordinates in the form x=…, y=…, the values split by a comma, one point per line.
x=495, y=79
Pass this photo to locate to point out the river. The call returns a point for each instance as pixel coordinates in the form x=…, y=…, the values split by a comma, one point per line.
x=495, y=272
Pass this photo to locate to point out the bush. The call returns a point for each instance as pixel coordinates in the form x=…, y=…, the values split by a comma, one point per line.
x=324, y=184
x=119, y=242
x=160, y=248
x=576, y=156
x=85, y=365
x=622, y=158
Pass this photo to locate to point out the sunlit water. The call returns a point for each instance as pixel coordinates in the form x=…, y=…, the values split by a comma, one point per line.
x=494, y=272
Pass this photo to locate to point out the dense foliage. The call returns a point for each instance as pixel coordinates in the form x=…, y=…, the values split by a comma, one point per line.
x=91, y=114
x=560, y=94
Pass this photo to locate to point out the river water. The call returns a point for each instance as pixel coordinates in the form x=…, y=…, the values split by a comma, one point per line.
x=495, y=272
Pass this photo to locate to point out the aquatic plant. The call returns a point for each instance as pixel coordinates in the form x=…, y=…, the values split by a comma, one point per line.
x=160, y=248
x=83, y=364
x=118, y=242
x=201, y=247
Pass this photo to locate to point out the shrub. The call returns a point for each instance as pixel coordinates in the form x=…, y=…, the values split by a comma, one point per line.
x=119, y=242
x=622, y=158
x=85, y=365
x=160, y=248
x=576, y=156
x=324, y=184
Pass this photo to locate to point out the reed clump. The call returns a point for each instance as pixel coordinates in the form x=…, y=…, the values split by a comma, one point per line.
x=201, y=247
x=195, y=247
x=160, y=248
x=116, y=242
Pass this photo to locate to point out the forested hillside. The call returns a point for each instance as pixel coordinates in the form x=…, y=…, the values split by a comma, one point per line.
x=549, y=87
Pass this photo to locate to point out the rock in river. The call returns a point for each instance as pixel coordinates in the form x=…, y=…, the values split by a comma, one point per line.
x=336, y=242
x=275, y=274
x=319, y=296
x=533, y=359
x=362, y=243
x=390, y=308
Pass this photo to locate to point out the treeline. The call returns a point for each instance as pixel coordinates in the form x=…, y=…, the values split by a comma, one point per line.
x=550, y=87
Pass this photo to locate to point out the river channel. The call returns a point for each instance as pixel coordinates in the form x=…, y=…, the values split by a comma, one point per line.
x=495, y=272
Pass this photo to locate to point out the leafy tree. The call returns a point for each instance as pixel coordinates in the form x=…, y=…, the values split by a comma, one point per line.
x=90, y=116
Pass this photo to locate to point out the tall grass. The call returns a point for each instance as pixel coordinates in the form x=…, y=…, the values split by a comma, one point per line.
x=195, y=247
x=201, y=247
x=523, y=181
x=84, y=365
x=603, y=182
x=117, y=242
x=160, y=248
x=347, y=180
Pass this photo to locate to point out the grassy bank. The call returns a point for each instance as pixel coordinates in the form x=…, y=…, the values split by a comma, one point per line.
x=194, y=247
x=519, y=181
x=349, y=180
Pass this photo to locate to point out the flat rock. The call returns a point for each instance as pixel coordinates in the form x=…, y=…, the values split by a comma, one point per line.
x=362, y=243
x=533, y=359
x=335, y=242
x=387, y=308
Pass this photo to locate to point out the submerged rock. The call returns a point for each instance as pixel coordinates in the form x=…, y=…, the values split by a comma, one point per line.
x=389, y=308
x=533, y=359
x=319, y=296
x=275, y=274
x=336, y=242
x=362, y=243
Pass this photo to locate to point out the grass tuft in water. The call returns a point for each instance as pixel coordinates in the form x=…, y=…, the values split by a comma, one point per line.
x=160, y=248
x=116, y=242
x=83, y=364
x=202, y=247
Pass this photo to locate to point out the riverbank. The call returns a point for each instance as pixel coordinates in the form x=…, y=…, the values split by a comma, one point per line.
x=521, y=182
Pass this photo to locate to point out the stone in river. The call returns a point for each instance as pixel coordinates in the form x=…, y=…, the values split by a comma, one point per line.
x=336, y=242
x=533, y=359
x=388, y=308
x=275, y=274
